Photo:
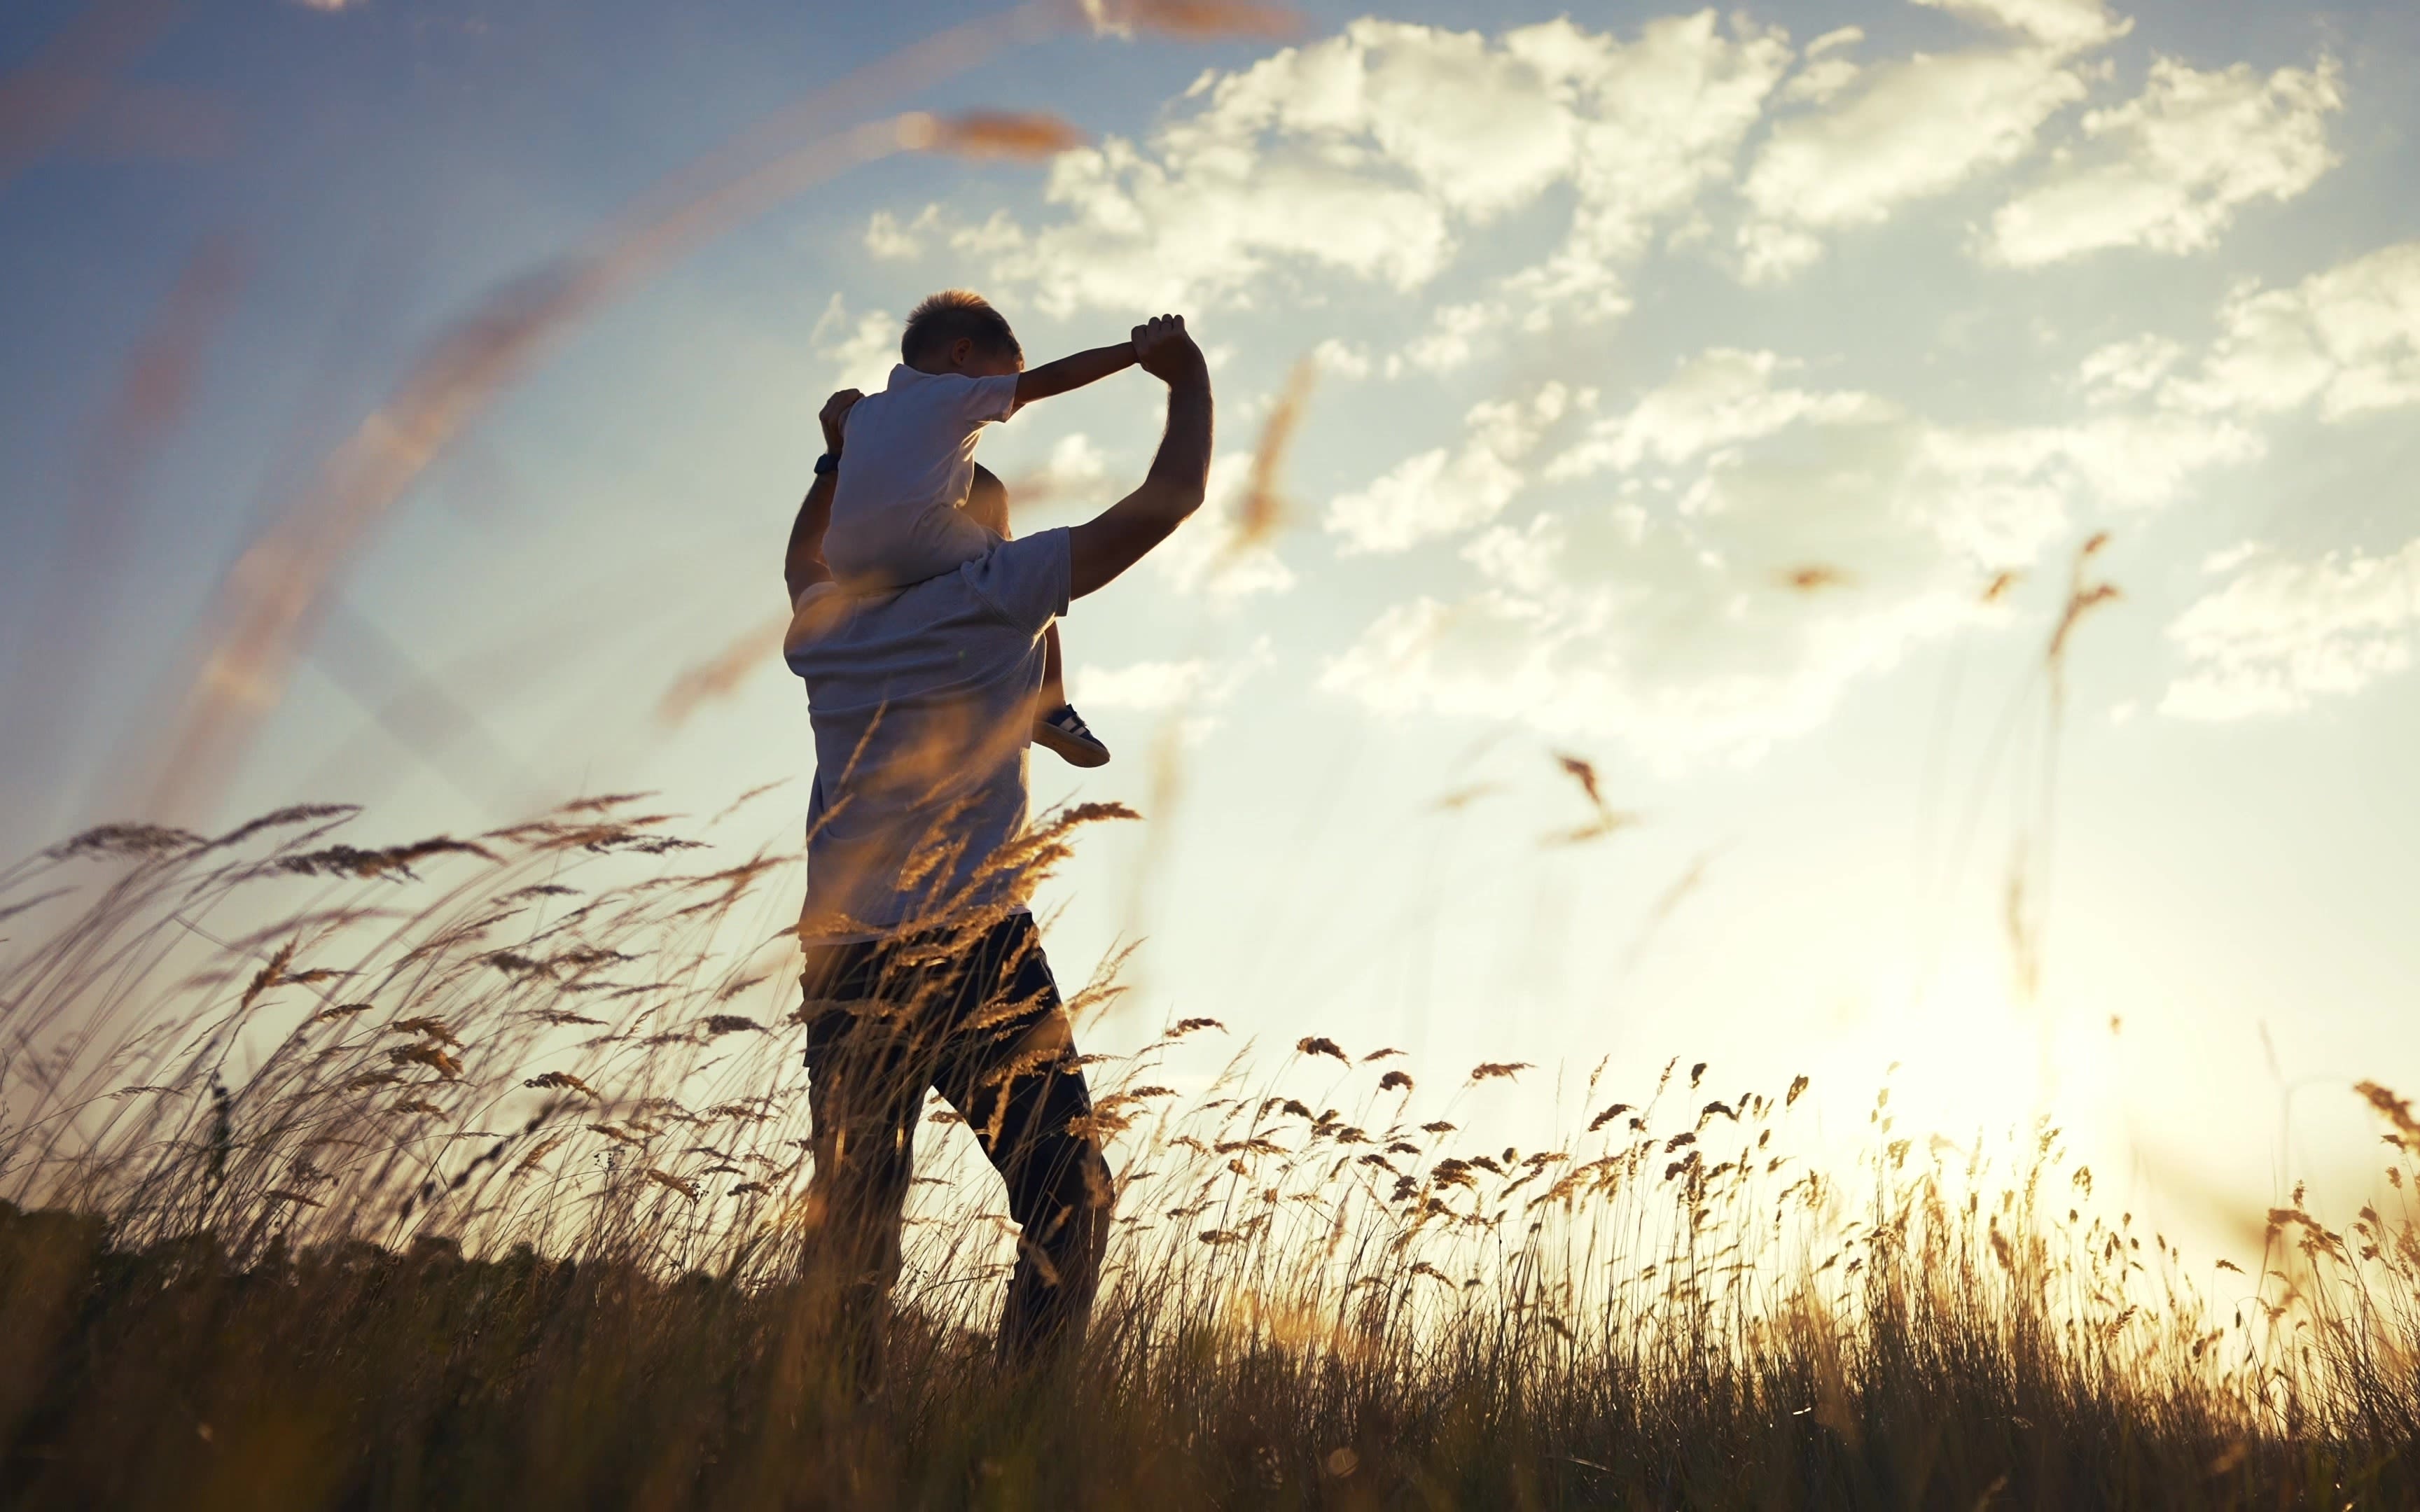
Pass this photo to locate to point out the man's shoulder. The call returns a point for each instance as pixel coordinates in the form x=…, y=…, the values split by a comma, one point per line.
x=1025, y=579
x=1024, y=553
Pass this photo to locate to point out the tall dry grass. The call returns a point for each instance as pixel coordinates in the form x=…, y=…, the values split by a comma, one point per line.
x=469, y=1173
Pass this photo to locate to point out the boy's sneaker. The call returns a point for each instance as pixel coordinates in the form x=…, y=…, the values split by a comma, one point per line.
x=1063, y=731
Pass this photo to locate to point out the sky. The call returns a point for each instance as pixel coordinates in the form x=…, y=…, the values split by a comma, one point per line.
x=1728, y=401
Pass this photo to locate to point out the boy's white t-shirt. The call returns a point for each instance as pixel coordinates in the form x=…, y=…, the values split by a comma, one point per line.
x=908, y=459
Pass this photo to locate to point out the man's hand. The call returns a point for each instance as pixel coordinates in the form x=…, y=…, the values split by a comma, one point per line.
x=803, y=566
x=1164, y=350
x=835, y=414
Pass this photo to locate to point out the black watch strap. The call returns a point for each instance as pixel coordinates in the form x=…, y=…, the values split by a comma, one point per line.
x=827, y=464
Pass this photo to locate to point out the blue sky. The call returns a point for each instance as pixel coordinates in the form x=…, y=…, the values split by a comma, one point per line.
x=1619, y=319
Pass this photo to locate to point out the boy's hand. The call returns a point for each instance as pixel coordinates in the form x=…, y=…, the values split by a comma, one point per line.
x=1164, y=350
x=835, y=414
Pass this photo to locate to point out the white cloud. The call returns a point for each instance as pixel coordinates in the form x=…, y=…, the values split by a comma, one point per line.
x=1912, y=128
x=2173, y=165
x=1659, y=122
x=1206, y=555
x=1076, y=470
x=1337, y=358
x=1451, y=339
x=861, y=351
x=2129, y=369
x=1668, y=619
x=1634, y=626
x=1821, y=79
x=2347, y=339
x=1909, y=129
x=2282, y=634
x=2142, y=460
x=1073, y=459
x=1822, y=72
x=1191, y=692
x=1357, y=153
x=1198, y=683
x=1142, y=684
x=2068, y=26
x=1720, y=398
x=1369, y=154
x=1375, y=154
x=894, y=240
x=1442, y=491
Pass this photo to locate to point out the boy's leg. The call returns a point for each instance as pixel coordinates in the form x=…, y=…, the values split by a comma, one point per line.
x=1057, y=726
x=987, y=506
x=987, y=502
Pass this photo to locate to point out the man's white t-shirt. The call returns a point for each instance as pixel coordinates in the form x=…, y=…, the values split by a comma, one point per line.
x=908, y=459
x=923, y=707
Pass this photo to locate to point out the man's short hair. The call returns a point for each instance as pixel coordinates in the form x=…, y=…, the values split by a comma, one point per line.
x=954, y=315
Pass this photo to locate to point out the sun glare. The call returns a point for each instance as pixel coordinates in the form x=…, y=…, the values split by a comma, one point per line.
x=1965, y=1060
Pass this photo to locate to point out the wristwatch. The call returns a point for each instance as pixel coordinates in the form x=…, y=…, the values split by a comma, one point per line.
x=827, y=464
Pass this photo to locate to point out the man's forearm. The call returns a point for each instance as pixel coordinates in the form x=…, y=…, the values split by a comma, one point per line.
x=1179, y=471
x=1073, y=371
x=1102, y=547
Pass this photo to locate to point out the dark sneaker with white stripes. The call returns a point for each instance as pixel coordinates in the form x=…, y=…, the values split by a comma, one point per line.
x=1063, y=731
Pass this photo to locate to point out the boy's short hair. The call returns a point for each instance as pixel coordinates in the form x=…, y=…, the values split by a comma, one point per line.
x=955, y=315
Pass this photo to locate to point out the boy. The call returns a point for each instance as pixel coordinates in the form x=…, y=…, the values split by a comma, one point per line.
x=906, y=508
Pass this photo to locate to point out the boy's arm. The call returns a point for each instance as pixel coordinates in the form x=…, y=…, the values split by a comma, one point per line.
x=802, y=565
x=1073, y=371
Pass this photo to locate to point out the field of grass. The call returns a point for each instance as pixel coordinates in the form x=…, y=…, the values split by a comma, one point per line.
x=469, y=1173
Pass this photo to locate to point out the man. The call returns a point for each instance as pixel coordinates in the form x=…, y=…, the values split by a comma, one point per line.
x=923, y=968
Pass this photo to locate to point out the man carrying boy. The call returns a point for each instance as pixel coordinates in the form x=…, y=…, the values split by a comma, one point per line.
x=923, y=968
x=906, y=508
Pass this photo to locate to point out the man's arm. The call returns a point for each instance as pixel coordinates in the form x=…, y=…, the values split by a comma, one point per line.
x=1122, y=534
x=1073, y=371
x=802, y=565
